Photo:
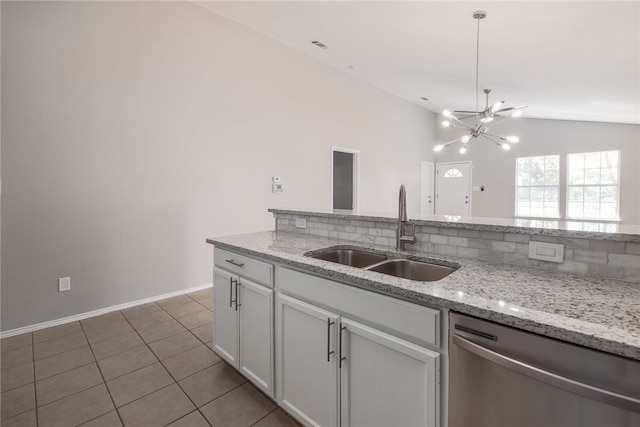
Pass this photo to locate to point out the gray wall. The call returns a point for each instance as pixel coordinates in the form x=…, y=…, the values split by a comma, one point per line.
x=134, y=130
x=495, y=168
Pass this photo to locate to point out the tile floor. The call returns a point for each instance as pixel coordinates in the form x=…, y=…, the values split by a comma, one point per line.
x=149, y=365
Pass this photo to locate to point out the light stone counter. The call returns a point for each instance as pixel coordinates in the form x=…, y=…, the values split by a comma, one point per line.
x=600, y=313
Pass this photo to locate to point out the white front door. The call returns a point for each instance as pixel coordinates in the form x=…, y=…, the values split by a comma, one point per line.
x=427, y=196
x=453, y=189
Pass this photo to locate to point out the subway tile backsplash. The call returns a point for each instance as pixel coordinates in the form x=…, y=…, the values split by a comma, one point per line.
x=602, y=258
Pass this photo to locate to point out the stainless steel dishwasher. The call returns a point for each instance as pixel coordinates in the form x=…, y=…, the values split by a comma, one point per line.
x=501, y=376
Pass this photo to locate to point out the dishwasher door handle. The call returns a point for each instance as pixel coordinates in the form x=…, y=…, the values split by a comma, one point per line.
x=558, y=381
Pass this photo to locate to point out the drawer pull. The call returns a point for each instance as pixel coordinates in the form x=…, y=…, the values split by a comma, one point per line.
x=237, y=264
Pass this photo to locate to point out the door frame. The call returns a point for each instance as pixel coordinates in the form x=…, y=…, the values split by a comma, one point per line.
x=356, y=176
x=424, y=170
x=470, y=182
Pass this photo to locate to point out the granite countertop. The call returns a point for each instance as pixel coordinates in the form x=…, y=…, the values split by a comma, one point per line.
x=603, y=314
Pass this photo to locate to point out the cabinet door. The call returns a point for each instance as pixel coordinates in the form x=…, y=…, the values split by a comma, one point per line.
x=307, y=361
x=387, y=381
x=225, y=316
x=256, y=334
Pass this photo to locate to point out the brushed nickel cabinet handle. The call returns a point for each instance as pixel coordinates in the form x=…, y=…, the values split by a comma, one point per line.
x=237, y=264
x=342, y=328
x=329, y=351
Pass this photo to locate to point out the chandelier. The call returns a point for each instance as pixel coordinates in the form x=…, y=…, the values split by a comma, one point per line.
x=478, y=123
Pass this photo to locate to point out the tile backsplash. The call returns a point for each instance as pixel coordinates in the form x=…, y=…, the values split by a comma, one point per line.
x=595, y=257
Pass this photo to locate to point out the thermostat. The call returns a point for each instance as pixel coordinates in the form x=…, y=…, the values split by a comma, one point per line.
x=278, y=187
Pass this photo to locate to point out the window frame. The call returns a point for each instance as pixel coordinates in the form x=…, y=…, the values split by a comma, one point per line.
x=556, y=186
x=568, y=186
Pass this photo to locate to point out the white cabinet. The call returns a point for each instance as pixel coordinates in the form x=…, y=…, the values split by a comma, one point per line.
x=336, y=371
x=386, y=381
x=243, y=319
x=307, y=368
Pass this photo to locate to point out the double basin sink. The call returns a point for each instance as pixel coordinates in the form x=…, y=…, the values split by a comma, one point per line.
x=399, y=267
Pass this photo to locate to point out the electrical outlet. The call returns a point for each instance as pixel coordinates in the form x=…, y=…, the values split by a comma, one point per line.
x=64, y=284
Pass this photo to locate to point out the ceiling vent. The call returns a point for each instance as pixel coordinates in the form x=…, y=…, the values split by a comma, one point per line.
x=319, y=44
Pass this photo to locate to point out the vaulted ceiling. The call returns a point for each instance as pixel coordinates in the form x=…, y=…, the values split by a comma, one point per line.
x=573, y=60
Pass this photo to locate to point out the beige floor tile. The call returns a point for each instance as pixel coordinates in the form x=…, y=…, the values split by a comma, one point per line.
x=137, y=384
x=67, y=383
x=17, y=376
x=157, y=409
x=104, y=333
x=204, y=333
x=123, y=363
x=103, y=320
x=117, y=345
x=199, y=318
x=58, y=345
x=184, y=309
x=17, y=401
x=110, y=419
x=18, y=341
x=204, y=294
x=208, y=303
x=194, y=419
x=151, y=319
x=173, y=345
x=19, y=356
x=140, y=310
x=190, y=362
x=162, y=330
x=26, y=419
x=211, y=383
x=63, y=362
x=277, y=418
x=76, y=409
x=56, y=332
x=174, y=301
x=243, y=406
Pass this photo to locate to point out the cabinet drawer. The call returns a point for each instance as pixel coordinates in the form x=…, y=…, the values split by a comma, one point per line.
x=416, y=323
x=251, y=268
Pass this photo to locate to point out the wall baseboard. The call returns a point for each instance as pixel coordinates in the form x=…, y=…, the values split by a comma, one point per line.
x=81, y=316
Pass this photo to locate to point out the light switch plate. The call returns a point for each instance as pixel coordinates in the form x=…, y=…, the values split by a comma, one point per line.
x=543, y=251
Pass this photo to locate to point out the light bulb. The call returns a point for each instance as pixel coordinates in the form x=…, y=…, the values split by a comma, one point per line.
x=463, y=149
x=446, y=123
x=513, y=139
x=438, y=147
x=447, y=114
x=506, y=147
x=486, y=119
x=518, y=113
x=465, y=139
x=496, y=106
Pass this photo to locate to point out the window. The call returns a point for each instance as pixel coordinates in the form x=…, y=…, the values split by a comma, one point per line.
x=592, y=185
x=453, y=173
x=537, y=186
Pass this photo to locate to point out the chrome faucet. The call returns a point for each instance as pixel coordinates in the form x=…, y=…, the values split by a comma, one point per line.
x=401, y=238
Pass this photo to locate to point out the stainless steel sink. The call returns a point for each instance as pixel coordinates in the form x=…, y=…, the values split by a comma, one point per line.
x=351, y=257
x=413, y=270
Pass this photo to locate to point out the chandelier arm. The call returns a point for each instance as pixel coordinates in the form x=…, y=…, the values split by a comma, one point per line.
x=446, y=144
x=487, y=136
x=457, y=120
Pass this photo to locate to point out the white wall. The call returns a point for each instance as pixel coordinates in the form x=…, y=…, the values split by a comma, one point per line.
x=495, y=168
x=135, y=130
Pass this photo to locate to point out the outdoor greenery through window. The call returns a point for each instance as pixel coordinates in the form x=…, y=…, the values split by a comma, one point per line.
x=537, y=186
x=592, y=185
